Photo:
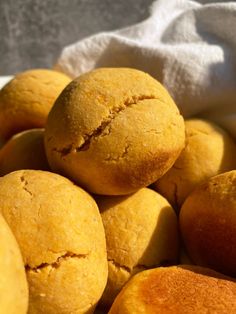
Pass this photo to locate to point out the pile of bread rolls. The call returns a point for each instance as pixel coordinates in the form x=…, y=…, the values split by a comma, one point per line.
x=110, y=201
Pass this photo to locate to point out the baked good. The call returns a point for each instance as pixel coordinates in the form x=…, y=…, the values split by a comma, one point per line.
x=26, y=100
x=209, y=151
x=13, y=284
x=177, y=289
x=184, y=259
x=24, y=150
x=141, y=232
x=208, y=223
x=113, y=131
x=61, y=236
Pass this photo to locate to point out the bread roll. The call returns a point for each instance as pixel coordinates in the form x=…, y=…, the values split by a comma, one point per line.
x=61, y=236
x=13, y=284
x=26, y=100
x=177, y=289
x=141, y=232
x=114, y=131
x=24, y=150
x=184, y=259
x=208, y=223
x=209, y=151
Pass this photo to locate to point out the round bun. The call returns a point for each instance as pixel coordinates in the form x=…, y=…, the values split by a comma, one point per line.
x=27, y=99
x=208, y=223
x=209, y=151
x=177, y=289
x=141, y=232
x=24, y=150
x=61, y=236
x=13, y=284
x=113, y=131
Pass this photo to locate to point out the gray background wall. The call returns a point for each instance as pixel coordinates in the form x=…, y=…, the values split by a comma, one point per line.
x=33, y=32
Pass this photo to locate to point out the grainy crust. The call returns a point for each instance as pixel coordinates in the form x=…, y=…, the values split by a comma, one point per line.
x=208, y=223
x=61, y=236
x=117, y=126
x=27, y=99
x=13, y=284
x=209, y=151
x=24, y=150
x=141, y=233
x=175, y=290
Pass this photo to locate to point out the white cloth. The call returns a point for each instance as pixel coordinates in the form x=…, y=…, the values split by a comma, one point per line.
x=188, y=46
x=4, y=80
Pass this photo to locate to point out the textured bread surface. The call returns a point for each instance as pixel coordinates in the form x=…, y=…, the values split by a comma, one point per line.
x=177, y=290
x=61, y=236
x=208, y=223
x=27, y=99
x=141, y=232
x=24, y=150
x=13, y=284
x=209, y=151
x=113, y=131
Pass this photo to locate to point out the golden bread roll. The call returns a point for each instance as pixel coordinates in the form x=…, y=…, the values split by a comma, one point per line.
x=13, y=284
x=209, y=151
x=26, y=100
x=24, y=150
x=113, y=131
x=177, y=290
x=208, y=223
x=184, y=259
x=141, y=232
x=61, y=236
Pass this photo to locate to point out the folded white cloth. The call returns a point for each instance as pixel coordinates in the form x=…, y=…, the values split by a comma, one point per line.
x=4, y=80
x=188, y=46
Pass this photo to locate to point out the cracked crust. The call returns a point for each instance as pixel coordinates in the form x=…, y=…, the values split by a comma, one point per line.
x=13, y=284
x=57, y=262
x=26, y=100
x=209, y=151
x=119, y=127
x=141, y=232
x=75, y=296
x=177, y=289
x=61, y=236
x=103, y=128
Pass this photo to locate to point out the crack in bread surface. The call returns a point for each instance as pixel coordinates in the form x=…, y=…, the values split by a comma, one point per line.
x=24, y=185
x=121, y=156
x=103, y=125
x=137, y=267
x=68, y=255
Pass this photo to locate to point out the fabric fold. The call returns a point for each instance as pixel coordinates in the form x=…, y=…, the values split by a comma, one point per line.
x=188, y=46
